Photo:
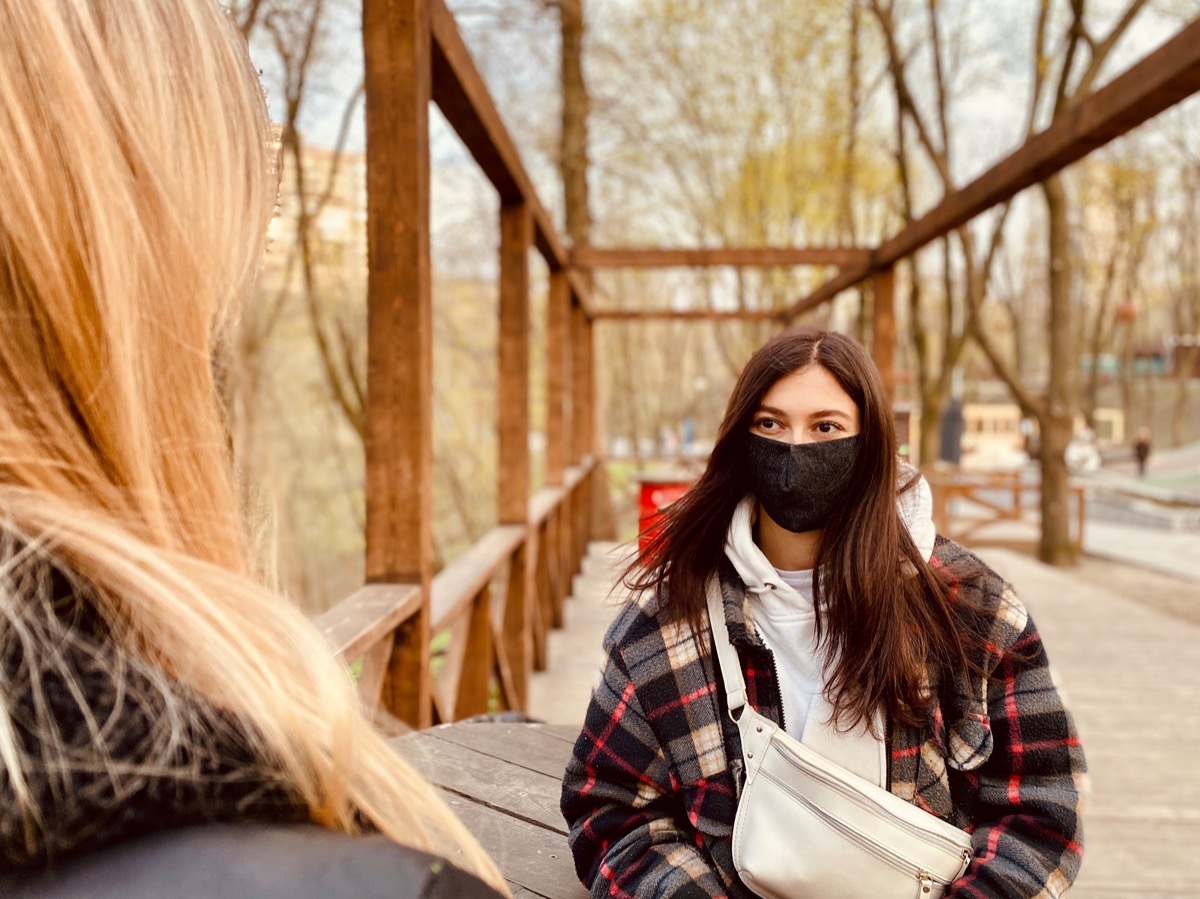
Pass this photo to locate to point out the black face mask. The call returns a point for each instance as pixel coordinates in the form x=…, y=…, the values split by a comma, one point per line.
x=799, y=484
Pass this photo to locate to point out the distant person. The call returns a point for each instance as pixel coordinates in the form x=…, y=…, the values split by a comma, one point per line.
x=149, y=679
x=896, y=654
x=1141, y=450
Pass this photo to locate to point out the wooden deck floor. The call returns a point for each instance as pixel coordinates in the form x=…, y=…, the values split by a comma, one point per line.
x=1131, y=676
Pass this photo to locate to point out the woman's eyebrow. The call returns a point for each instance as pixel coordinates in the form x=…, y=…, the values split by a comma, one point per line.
x=771, y=410
x=830, y=413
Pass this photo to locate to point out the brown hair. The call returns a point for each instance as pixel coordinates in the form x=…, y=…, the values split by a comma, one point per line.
x=885, y=616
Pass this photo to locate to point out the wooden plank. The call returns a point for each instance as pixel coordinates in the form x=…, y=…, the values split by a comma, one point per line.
x=528, y=855
x=518, y=617
x=540, y=603
x=478, y=660
x=1160, y=80
x=460, y=581
x=580, y=289
x=544, y=502
x=552, y=550
x=883, y=330
x=843, y=280
x=737, y=257
x=449, y=679
x=558, y=316
x=374, y=669
x=693, y=315
x=461, y=94
x=587, y=362
x=540, y=748
x=579, y=362
x=408, y=685
x=399, y=445
x=367, y=616
x=513, y=472
x=399, y=429
x=524, y=794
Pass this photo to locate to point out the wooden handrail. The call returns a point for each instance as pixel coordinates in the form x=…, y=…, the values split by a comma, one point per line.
x=738, y=257
x=460, y=581
x=367, y=616
x=1156, y=83
x=462, y=95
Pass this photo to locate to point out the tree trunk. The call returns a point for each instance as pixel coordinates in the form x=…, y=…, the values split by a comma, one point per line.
x=573, y=161
x=1057, y=422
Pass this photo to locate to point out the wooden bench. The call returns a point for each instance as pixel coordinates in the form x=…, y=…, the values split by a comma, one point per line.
x=504, y=782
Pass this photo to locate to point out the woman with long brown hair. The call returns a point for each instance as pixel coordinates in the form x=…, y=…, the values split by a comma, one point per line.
x=149, y=678
x=894, y=653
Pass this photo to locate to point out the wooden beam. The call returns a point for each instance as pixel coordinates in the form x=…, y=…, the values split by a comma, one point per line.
x=1159, y=81
x=883, y=329
x=579, y=374
x=738, y=257
x=707, y=315
x=558, y=318
x=399, y=439
x=462, y=95
x=516, y=235
x=587, y=362
x=367, y=617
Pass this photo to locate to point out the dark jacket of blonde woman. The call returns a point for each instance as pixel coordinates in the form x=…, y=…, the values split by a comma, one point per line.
x=72, y=699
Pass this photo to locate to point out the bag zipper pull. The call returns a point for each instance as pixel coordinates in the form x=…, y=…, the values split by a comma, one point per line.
x=926, y=883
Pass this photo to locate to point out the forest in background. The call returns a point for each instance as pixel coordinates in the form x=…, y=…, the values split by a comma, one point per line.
x=745, y=122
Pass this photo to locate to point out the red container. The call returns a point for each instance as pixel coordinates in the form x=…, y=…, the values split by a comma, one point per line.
x=656, y=496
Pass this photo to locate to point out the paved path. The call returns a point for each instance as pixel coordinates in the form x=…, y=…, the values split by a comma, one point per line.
x=1131, y=676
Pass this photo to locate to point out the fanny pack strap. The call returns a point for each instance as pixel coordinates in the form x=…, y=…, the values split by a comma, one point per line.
x=727, y=658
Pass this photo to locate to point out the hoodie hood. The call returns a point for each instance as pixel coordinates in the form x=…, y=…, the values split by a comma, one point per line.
x=915, y=506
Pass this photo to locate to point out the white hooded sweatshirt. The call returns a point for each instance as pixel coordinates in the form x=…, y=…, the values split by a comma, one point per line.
x=781, y=611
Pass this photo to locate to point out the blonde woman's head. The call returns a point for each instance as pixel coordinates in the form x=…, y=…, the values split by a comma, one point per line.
x=136, y=182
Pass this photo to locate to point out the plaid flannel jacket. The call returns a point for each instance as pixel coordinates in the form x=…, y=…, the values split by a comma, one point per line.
x=651, y=791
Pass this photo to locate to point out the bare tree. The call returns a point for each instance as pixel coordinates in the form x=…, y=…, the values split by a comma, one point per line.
x=1062, y=77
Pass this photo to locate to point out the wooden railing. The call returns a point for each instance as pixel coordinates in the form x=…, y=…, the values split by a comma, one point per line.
x=498, y=600
x=497, y=603
x=965, y=503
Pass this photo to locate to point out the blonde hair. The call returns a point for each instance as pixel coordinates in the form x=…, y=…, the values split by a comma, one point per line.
x=136, y=183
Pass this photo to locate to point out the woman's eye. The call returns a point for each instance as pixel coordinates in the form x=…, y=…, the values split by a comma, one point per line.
x=766, y=424
x=829, y=427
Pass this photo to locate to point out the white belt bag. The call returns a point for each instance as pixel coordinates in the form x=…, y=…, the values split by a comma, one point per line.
x=808, y=828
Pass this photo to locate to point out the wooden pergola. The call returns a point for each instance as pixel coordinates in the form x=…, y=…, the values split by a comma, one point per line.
x=500, y=598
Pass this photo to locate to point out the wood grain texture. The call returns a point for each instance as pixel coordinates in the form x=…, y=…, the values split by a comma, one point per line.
x=883, y=329
x=738, y=257
x=504, y=782
x=366, y=616
x=558, y=356
x=513, y=471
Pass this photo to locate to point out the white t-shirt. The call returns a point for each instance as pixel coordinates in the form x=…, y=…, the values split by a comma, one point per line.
x=784, y=618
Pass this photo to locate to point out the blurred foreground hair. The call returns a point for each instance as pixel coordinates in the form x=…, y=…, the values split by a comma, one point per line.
x=137, y=178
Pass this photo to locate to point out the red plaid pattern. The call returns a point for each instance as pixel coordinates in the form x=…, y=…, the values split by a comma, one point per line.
x=651, y=791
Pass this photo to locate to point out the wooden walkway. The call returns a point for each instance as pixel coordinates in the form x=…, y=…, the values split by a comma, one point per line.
x=1131, y=676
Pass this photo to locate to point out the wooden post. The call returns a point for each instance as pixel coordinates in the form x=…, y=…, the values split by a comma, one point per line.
x=558, y=338
x=399, y=440
x=883, y=330
x=516, y=237
x=580, y=372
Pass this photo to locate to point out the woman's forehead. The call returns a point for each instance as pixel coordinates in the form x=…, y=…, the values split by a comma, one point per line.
x=808, y=390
